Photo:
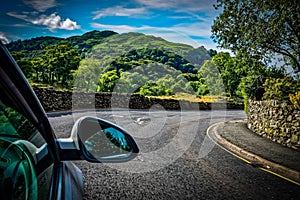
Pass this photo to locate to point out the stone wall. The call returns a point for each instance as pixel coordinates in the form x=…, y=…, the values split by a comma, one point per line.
x=275, y=120
x=53, y=100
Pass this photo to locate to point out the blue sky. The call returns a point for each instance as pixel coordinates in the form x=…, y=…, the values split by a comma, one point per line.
x=184, y=21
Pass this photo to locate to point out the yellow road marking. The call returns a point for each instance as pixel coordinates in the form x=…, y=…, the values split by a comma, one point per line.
x=235, y=155
x=280, y=176
x=247, y=161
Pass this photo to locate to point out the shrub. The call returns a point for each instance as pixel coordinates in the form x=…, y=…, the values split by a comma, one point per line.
x=295, y=98
x=250, y=87
x=279, y=88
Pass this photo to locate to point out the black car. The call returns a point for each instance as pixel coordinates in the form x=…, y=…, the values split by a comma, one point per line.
x=34, y=164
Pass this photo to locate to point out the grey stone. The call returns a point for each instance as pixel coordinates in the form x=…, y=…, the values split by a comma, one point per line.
x=280, y=122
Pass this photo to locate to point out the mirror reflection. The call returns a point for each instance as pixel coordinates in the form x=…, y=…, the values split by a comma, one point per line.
x=104, y=141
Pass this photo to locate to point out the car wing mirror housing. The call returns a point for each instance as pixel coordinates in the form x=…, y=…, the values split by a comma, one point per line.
x=97, y=140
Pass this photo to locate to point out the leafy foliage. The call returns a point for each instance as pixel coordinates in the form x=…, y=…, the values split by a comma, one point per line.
x=119, y=45
x=38, y=43
x=110, y=59
x=280, y=88
x=137, y=63
x=83, y=43
x=87, y=75
x=53, y=67
x=212, y=78
x=156, y=55
x=260, y=29
x=108, y=81
x=295, y=98
x=145, y=64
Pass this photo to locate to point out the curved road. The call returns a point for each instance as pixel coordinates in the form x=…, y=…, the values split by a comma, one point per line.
x=177, y=160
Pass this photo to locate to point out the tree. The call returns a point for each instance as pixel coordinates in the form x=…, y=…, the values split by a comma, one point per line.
x=212, y=78
x=151, y=88
x=212, y=52
x=231, y=72
x=86, y=77
x=234, y=69
x=108, y=81
x=23, y=63
x=60, y=60
x=260, y=29
x=130, y=82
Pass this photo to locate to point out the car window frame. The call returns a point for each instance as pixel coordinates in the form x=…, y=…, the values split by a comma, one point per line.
x=18, y=89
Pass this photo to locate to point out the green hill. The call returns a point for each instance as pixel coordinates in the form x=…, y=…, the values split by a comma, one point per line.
x=38, y=43
x=145, y=64
x=104, y=43
x=120, y=44
x=104, y=61
x=83, y=43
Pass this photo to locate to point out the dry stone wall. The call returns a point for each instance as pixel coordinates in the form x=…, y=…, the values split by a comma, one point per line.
x=278, y=121
x=53, y=100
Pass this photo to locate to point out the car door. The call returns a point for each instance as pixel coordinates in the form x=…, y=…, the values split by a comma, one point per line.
x=26, y=164
x=29, y=163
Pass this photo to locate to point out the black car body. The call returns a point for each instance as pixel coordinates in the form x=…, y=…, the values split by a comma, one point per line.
x=34, y=164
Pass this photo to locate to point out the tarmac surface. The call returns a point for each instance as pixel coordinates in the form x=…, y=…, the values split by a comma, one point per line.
x=256, y=150
x=203, y=171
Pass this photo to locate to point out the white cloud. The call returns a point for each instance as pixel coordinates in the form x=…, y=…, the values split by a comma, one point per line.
x=3, y=38
x=193, y=29
x=119, y=11
x=41, y=5
x=180, y=17
x=179, y=5
x=119, y=28
x=69, y=25
x=180, y=33
x=52, y=21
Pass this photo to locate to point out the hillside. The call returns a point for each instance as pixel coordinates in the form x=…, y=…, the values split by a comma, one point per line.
x=106, y=61
x=121, y=44
x=144, y=64
x=103, y=43
x=83, y=43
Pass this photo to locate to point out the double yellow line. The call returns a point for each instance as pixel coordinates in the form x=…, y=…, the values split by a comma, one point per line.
x=247, y=161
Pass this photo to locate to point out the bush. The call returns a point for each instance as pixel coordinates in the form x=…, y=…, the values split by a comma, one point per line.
x=279, y=88
x=153, y=89
x=295, y=98
x=250, y=87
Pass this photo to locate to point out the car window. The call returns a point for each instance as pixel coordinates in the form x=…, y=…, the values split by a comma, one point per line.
x=21, y=176
x=14, y=124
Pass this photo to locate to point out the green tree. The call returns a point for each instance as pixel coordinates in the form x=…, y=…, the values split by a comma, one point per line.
x=151, y=88
x=130, y=82
x=24, y=63
x=260, y=29
x=39, y=73
x=60, y=61
x=280, y=88
x=86, y=78
x=231, y=72
x=199, y=87
x=108, y=81
x=212, y=78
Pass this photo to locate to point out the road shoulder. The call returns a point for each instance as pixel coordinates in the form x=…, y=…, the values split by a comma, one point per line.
x=255, y=150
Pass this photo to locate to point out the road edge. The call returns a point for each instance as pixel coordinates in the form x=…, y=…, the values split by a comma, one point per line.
x=264, y=164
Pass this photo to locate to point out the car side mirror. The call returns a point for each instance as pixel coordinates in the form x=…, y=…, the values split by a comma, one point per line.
x=99, y=140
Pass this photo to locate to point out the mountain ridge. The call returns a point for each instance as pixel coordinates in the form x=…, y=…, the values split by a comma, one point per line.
x=109, y=39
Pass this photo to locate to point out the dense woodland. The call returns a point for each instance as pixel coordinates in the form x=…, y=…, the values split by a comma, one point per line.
x=137, y=63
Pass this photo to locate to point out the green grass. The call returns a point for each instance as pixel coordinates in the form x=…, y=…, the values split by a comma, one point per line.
x=193, y=98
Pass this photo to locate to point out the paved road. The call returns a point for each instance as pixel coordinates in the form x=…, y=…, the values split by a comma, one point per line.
x=177, y=161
